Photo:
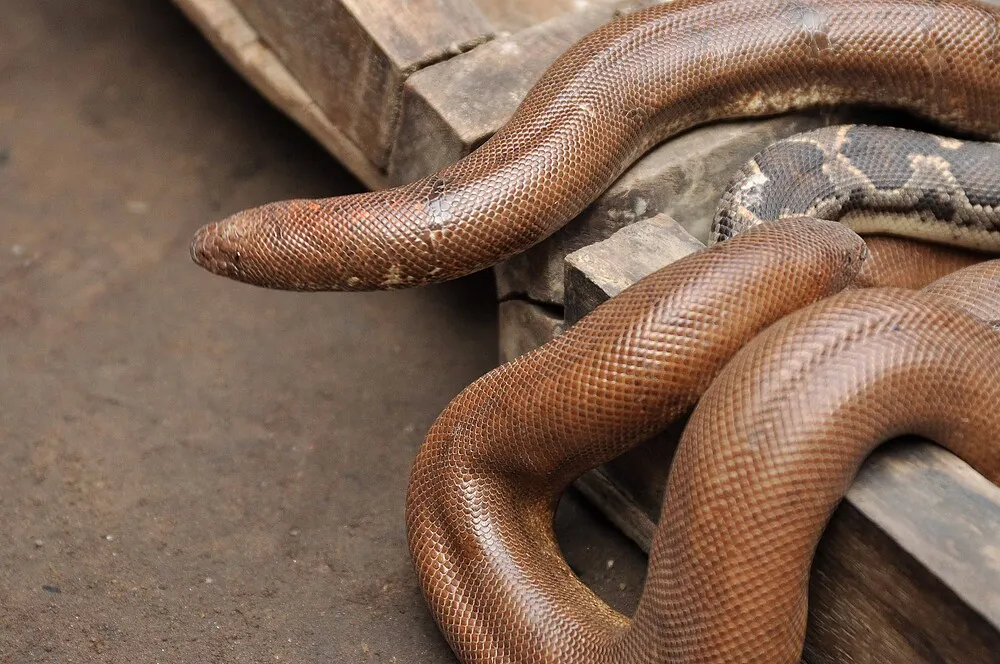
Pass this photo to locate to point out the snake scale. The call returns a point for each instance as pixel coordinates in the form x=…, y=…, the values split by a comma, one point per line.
x=928, y=205
x=797, y=376
x=602, y=104
x=777, y=436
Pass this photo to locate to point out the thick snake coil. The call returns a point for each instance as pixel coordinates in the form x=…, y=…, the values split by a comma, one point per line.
x=607, y=100
x=769, y=452
x=785, y=422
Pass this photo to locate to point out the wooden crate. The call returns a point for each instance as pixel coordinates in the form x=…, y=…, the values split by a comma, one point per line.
x=909, y=570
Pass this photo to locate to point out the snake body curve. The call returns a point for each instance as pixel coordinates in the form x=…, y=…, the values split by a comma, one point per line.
x=768, y=453
x=608, y=99
x=928, y=205
x=484, y=485
x=775, y=440
x=486, y=480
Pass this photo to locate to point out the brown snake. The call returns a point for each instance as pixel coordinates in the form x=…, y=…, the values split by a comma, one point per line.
x=608, y=99
x=730, y=561
x=770, y=450
x=777, y=437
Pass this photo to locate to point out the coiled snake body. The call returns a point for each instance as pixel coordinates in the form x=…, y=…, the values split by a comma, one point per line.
x=767, y=455
x=798, y=408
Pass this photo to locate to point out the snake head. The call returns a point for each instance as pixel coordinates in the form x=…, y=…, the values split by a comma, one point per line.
x=212, y=249
x=300, y=245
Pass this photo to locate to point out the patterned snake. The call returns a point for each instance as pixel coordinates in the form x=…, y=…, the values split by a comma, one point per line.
x=814, y=388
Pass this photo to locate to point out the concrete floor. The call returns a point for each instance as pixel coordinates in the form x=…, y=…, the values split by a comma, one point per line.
x=195, y=470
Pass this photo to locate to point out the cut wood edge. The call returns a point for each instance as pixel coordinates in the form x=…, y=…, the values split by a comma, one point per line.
x=949, y=507
x=242, y=47
x=604, y=269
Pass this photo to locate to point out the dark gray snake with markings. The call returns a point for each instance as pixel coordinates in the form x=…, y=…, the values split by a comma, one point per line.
x=874, y=179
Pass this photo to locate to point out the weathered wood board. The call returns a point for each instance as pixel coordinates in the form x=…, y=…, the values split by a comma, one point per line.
x=345, y=69
x=354, y=55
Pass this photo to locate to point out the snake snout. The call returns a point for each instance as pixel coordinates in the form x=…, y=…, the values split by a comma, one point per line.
x=212, y=250
x=261, y=246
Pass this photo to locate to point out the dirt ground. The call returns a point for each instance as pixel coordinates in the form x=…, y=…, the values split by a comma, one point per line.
x=194, y=470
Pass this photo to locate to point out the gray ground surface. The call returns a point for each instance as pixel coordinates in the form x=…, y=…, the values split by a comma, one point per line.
x=194, y=470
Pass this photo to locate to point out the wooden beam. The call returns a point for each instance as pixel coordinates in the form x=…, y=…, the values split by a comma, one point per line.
x=354, y=55
x=246, y=51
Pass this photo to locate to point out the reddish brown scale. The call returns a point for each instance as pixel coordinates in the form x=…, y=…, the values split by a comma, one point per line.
x=902, y=263
x=768, y=453
x=483, y=486
x=607, y=100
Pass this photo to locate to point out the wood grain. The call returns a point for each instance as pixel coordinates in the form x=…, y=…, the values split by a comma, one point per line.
x=242, y=46
x=604, y=269
x=353, y=55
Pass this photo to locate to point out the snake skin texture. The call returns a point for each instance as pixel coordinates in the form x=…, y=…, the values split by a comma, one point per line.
x=601, y=105
x=976, y=289
x=769, y=452
x=906, y=263
x=485, y=483
x=875, y=180
x=925, y=203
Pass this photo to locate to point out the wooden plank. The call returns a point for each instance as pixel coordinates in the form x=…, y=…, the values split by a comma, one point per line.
x=353, y=55
x=909, y=569
x=371, y=79
x=242, y=46
x=606, y=268
x=454, y=105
